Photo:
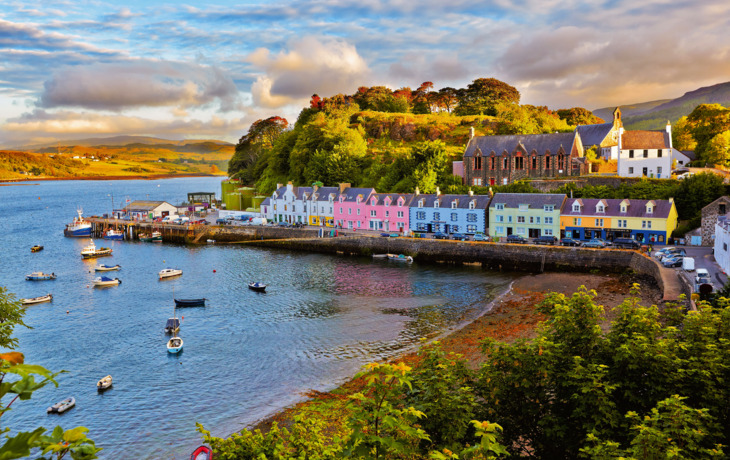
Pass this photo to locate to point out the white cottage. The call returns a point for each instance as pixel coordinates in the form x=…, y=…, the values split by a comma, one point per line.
x=645, y=153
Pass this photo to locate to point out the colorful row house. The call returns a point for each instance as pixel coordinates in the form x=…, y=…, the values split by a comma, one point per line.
x=301, y=205
x=648, y=221
x=449, y=213
x=526, y=214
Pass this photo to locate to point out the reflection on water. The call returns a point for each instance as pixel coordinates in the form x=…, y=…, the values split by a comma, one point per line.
x=246, y=354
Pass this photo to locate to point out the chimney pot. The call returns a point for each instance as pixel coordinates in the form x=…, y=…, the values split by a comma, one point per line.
x=438, y=191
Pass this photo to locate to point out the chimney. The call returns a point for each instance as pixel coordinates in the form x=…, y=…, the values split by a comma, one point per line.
x=669, y=131
x=471, y=192
x=290, y=186
x=471, y=133
x=343, y=186
x=438, y=192
x=315, y=187
x=491, y=192
x=278, y=186
x=417, y=192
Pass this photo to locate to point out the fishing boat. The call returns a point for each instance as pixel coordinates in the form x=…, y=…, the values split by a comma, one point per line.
x=79, y=227
x=92, y=251
x=146, y=237
x=190, y=302
x=104, y=384
x=169, y=273
x=156, y=237
x=40, y=276
x=36, y=248
x=34, y=300
x=172, y=325
x=400, y=258
x=107, y=268
x=62, y=406
x=257, y=286
x=103, y=281
x=112, y=234
x=202, y=453
x=175, y=344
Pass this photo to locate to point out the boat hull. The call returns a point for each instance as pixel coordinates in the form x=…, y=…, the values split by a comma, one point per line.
x=98, y=253
x=35, y=300
x=39, y=277
x=115, y=236
x=62, y=406
x=104, y=268
x=104, y=384
x=174, y=345
x=190, y=302
x=260, y=288
x=202, y=453
x=77, y=232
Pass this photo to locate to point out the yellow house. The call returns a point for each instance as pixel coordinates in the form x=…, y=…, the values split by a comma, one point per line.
x=647, y=221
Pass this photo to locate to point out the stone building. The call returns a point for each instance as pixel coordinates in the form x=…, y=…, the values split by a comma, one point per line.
x=500, y=160
x=710, y=213
x=603, y=136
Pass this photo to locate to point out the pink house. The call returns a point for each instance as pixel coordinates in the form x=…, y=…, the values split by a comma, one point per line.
x=388, y=211
x=350, y=209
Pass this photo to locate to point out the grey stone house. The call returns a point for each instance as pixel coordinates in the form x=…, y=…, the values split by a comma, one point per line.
x=710, y=213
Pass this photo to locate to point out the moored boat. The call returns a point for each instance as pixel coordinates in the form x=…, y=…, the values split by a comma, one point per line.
x=62, y=406
x=172, y=325
x=104, y=384
x=169, y=273
x=78, y=228
x=257, y=286
x=40, y=276
x=156, y=237
x=36, y=248
x=175, y=344
x=112, y=234
x=104, y=281
x=34, y=300
x=92, y=251
x=107, y=268
x=202, y=453
x=400, y=258
x=381, y=256
x=190, y=302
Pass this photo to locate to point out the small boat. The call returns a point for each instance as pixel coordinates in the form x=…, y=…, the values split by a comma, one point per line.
x=190, y=302
x=257, y=286
x=36, y=248
x=34, y=300
x=146, y=237
x=104, y=384
x=112, y=234
x=169, y=273
x=104, y=281
x=62, y=406
x=202, y=453
x=381, y=256
x=40, y=276
x=172, y=325
x=400, y=258
x=107, y=268
x=79, y=227
x=210, y=241
x=175, y=344
x=156, y=237
x=91, y=251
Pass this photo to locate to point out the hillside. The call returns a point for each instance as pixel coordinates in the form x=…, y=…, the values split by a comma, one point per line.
x=654, y=115
x=118, y=141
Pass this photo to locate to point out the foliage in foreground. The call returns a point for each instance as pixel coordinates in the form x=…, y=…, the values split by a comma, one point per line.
x=651, y=387
x=19, y=381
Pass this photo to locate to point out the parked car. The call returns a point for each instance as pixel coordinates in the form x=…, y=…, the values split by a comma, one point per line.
x=671, y=254
x=458, y=236
x=385, y=235
x=570, y=242
x=440, y=236
x=673, y=261
x=594, y=243
x=545, y=239
x=480, y=237
x=626, y=243
x=664, y=251
x=518, y=239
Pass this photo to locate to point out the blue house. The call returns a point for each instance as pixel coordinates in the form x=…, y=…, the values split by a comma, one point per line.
x=449, y=213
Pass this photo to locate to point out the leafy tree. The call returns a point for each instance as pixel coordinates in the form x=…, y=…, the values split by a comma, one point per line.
x=447, y=98
x=579, y=116
x=718, y=149
x=261, y=137
x=682, y=138
x=707, y=121
x=696, y=192
x=482, y=96
x=528, y=119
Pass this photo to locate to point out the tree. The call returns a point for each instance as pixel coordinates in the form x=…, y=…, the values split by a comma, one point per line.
x=261, y=137
x=696, y=192
x=447, y=98
x=579, y=116
x=682, y=138
x=717, y=151
x=707, y=121
x=482, y=96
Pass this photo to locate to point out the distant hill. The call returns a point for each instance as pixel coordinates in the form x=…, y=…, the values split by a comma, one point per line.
x=654, y=115
x=119, y=141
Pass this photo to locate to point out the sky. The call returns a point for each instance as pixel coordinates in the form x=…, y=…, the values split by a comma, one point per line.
x=207, y=70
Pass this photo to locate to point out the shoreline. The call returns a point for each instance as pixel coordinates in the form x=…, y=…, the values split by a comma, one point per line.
x=510, y=316
x=141, y=177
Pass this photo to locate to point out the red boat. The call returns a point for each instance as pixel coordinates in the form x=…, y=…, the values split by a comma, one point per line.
x=202, y=453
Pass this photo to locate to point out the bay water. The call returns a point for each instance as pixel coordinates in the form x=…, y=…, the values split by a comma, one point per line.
x=246, y=355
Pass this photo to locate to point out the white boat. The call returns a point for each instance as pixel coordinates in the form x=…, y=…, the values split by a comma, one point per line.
x=79, y=227
x=175, y=344
x=39, y=276
x=210, y=241
x=92, y=251
x=112, y=234
x=400, y=258
x=169, y=272
x=381, y=256
x=34, y=300
x=104, y=384
x=107, y=268
x=62, y=406
x=104, y=281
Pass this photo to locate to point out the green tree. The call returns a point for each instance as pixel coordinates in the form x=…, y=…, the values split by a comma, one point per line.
x=707, y=121
x=260, y=138
x=579, y=116
x=717, y=151
x=482, y=96
x=682, y=138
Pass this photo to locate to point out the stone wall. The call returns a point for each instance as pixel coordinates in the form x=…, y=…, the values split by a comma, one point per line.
x=710, y=213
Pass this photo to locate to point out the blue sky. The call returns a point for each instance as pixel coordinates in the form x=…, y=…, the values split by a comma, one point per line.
x=76, y=69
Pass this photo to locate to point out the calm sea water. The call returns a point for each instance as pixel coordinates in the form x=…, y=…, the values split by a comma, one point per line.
x=246, y=354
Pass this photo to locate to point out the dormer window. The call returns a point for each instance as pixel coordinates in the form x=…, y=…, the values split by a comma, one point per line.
x=400, y=202
x=420, y=203
x=436, y=204
x=373, y=202
x=471, y=204
x=454, y=204
x=649, y=209
x=600, y=208
x=623, y=208
x=576, y=207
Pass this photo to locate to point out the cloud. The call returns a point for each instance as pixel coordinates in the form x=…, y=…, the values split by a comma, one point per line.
x=311, y=66
x=142, y=83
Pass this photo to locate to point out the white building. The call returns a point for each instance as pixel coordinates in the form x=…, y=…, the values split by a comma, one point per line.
x=645, y=153
x=147, y=209
x=286, y=205
x=722, y=243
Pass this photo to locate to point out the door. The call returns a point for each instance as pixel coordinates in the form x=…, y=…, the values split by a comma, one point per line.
x=645, y=171
x=509, y=231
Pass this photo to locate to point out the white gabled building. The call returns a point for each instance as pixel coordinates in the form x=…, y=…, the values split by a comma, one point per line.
x=722, y=243
x=645, y=153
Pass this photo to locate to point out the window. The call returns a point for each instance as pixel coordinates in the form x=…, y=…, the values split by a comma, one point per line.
x=631, y=170
x=724, y=246
x=524, y=207
x=599, y=222
x=471, y=204
x=534, y=162
x=274, y=207
x=519, y=163
x=547, y=232
x=576, y=207
x=358, y=212
x=509, y=219
x=420, y=215
x=505, y=165
x=293, y=208
x=454, y=228
x=547, y=161
x=548, y=221
x=471, y=217
x=520, y=219
x=658, y=169
x=437, y=216
x=373, y=213
x=659, y=155
x=645, y=224
x=420, y=203
x=454, y=217
x=349, y=211
x=358, y=222
x=520, y=230
x=498, y=230
x=477, y=181
x=577, y=221
x=646, y=154
x=504, y=181
x=421, y=227
x=650, y=210
x=600, y=208
x=623, y=208
x=330, y=209
x=499, y=218
x=621, y=223
x=499, y=207
x=491, y=161
x=631, y=154
x=471, y=229
x=454, y=204
x=285, y=207
x=436, y=204
x=548, y=208
x=436, y=227
x=387, y=213
x=477, y=163
x=537, y=219
x=532, y=220
x=400, y=214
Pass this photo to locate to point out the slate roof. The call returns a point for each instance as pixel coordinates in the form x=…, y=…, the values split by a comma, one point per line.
x=393, y=198
x=280, y=191
x=323, y=193
x=689, y=154
x=645, y=140
x=143, y=205
x=533, y=200
x=350, y=194
x=482, y=201
x=266, y=202
x=538, y=142
x=636, y=208
x=593, y=134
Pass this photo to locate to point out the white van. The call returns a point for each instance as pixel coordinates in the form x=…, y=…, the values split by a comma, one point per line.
x=688, y=264
x=703, y=276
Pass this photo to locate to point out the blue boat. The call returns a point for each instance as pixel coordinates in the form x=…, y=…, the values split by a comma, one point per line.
x=112, y=234
x=78, y=228
x=40, y=276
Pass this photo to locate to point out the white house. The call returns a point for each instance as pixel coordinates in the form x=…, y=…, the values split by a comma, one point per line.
x=722, y=243
x=287, y=205
x=645, y=153
x=147, y=209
